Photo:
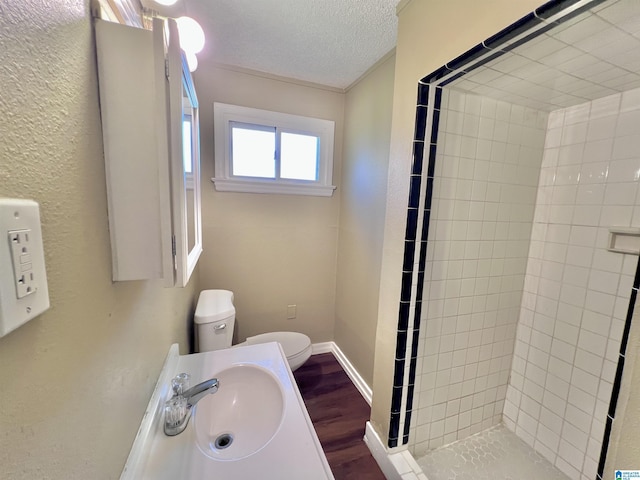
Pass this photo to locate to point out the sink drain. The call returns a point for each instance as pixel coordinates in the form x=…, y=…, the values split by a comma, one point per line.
x=223, y=441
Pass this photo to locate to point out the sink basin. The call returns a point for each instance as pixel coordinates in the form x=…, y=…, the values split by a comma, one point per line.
x=254, y=426
x=242, y=416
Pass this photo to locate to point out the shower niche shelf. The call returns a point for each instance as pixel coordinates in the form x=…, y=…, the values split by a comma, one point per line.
x=624, y=240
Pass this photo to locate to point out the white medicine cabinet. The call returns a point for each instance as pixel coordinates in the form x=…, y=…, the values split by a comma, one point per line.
x=149, y=111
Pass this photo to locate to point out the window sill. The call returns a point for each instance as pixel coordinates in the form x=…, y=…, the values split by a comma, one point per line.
x=229, y=185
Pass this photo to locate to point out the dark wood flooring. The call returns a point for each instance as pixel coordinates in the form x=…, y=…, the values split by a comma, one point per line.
x=339, y=414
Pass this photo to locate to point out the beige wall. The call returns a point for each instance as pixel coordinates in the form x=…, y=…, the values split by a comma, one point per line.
x=270, y=250
x=75, y=381
x=430, y=33
x=364, y=184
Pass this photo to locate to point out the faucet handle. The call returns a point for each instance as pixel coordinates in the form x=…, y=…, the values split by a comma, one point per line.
x=180, y=383
x=175, y=412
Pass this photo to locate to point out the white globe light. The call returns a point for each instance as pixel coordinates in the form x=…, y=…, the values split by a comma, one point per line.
x=166, y=3
x=192, y=61
x=191, y=35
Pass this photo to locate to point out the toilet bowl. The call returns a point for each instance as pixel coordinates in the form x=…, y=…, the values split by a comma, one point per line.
x=214, y=321
x=296, y=346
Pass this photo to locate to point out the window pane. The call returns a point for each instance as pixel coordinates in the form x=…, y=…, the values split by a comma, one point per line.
x=253, y=152
x=299, y=156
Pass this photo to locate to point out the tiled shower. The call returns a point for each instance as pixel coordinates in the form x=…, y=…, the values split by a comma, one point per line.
x=533, y=146
x=576, y=292
x=481, y=216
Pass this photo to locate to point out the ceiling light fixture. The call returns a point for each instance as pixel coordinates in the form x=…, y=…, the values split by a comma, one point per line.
x=192, y=61
x=191, y=35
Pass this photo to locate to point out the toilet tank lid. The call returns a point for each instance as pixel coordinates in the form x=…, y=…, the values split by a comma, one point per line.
x=214, y=305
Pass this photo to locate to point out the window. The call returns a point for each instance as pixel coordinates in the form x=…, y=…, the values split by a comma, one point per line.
x=259, y=151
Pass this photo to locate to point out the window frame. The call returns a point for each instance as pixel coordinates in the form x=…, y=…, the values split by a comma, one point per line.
x=225, y=181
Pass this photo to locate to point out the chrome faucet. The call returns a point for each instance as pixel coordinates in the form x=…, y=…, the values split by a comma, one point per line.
x=177, y=410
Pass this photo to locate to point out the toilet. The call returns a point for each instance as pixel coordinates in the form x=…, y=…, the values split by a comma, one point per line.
x=215, y=319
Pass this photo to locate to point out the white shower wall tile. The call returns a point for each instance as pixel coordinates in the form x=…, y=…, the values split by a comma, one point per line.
x=584, y=322
x=482, y=212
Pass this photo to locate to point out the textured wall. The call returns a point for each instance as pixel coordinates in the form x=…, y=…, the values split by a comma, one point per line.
x=76, y=380
x=270, y=250
x=364, y=184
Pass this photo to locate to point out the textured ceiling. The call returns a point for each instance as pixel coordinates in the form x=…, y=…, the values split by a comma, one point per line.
x=330, y=42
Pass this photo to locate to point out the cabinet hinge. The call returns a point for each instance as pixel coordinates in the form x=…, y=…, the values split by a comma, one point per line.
x=166, y=67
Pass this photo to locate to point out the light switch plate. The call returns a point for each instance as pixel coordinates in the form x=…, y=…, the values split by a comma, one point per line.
x=23, y=277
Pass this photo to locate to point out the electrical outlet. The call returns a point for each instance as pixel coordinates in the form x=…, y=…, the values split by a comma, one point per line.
x=291, y=312
x=23, y=277
x=22, y=262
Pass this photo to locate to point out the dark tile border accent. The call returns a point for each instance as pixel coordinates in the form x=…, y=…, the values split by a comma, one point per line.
x=524, y=40
x=605, y=448
x=403, y=314
x=437, y=75
x=452, y=79
x=421, y=123
x=467, y=57
x=435, y=123
x=405, y=293
x=615, y=391
x=423, y=94
x=412, y=224
x=474, y=58
x=418, y=157
x=434, y=131
x=411, y=230
x=503, y=36
x=627, y=322
x=409, y=252
x=414, y=191
x=484, y=61
x=549, y=9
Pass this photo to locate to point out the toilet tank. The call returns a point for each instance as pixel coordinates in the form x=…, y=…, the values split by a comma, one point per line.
x=214, y=320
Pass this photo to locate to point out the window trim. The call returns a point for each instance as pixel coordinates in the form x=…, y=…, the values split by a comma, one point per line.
x=224, y=181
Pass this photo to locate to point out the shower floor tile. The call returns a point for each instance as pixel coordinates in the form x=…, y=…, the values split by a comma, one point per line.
x=494, y=454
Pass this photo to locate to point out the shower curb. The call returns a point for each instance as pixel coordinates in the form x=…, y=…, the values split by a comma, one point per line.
x=397, y=463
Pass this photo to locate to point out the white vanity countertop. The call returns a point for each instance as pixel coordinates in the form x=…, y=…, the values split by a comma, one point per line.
x=294, y=452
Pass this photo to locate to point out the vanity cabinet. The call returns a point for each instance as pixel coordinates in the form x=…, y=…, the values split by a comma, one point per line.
x=149, y=112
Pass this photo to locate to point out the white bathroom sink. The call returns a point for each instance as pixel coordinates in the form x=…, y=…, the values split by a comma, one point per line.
x=257, y=404
x=242, y=416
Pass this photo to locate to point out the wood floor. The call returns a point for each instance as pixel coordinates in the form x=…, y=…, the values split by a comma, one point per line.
x=339, y=414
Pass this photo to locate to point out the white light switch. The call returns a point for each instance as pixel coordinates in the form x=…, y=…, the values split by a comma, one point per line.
x=23, y=277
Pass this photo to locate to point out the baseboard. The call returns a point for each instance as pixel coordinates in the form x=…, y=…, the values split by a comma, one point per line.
x=380, y=454
x=324, y=347
x=397, y=464
x=352, y=373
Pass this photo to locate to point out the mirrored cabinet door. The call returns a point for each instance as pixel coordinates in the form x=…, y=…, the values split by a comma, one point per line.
x=150, y=128
x=185, y=145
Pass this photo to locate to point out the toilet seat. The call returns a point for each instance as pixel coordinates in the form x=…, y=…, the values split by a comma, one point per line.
x=296, y=346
